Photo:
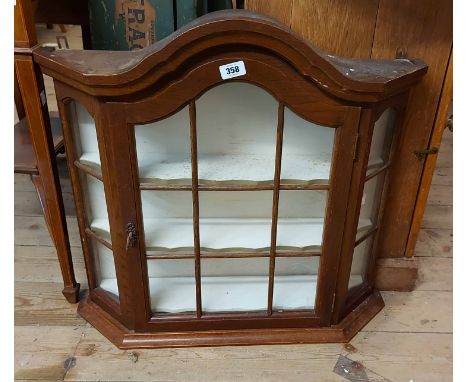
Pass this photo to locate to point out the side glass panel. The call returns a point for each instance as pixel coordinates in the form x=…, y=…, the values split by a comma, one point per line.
x=84, y=130
x=104, y=268
x=381, y=140
x=95, y=206
x=370, y=204
x=360, y=261
x=97, y=227
x=377, y=168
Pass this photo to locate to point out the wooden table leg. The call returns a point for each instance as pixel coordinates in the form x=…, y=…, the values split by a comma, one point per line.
x=32, y=90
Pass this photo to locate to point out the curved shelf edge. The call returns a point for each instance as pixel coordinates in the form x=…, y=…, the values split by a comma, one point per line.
x=99, y=235
x=90, y=168
x=93, y=169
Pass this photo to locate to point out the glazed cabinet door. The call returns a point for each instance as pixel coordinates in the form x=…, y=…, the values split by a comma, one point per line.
x=241, y=205
x=101, y=177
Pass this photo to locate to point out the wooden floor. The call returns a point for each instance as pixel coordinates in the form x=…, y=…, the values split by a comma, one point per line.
x=410, y=340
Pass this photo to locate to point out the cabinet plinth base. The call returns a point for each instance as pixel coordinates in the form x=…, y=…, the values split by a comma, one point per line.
x=126, y=339
x=396, y=274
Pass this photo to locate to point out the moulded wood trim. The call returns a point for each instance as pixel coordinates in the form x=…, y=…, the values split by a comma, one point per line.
x=111, y=73
x=126, y=339
x=67, y=94
x=269, y=73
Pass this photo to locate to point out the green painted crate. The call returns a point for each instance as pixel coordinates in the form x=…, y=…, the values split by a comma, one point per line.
x=135, y=24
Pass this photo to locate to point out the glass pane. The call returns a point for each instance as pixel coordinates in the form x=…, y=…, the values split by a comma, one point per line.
x=84, y=130
x=307, y=150
x=301, y=216
x=94, y=199
x=372, y=194
x=104, y=268
x=234, y=285
x=368, y=220
x=163, y=150
x=382, y=140
x=236, y=127
x=172, y=286
x=360, y=260
x=235, y=221
x=168, y=223
x=370, y=204
x=95, y=205
x=295, y=283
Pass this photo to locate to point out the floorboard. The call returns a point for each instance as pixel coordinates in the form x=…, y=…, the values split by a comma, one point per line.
x=406, y=356
x=98, y=359
x=41, y=352
x=435, y=242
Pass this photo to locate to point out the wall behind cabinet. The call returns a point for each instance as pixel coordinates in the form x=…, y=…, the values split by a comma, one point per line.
x=376, y=29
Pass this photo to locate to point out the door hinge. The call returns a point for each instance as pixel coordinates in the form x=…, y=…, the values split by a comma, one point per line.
x=449, y=124
x=356, y=146
x=421, y=154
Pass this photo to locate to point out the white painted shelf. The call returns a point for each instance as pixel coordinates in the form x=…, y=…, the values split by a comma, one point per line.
x=234, y=233
x=101, y=227
x=242, y=169
x=212, y=169
x=225, y=168
x=176, y=234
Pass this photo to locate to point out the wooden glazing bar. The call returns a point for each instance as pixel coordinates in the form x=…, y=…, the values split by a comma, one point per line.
x=160, y=187
x=96, y=237
x=309, y=313
x=298, y=254
x=88, y=170
x=312, y=187
x=235, y=187
x=366, y=235
x=378, y=171
x=274, y=212
x=182, y=256
x=196, y=206
x=227, y=255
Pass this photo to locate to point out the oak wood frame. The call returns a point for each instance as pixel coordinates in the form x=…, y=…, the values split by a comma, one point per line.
x=347, y=95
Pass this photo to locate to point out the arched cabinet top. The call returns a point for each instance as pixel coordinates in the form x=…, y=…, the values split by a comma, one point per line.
x=122, y=73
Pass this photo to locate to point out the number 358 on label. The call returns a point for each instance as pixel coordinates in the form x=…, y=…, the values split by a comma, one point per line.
x=234, y=69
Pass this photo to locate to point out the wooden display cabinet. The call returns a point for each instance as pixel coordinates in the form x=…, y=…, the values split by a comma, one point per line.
x=229, y=182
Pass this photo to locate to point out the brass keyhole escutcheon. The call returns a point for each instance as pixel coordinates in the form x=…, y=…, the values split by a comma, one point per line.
x=131, y=235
